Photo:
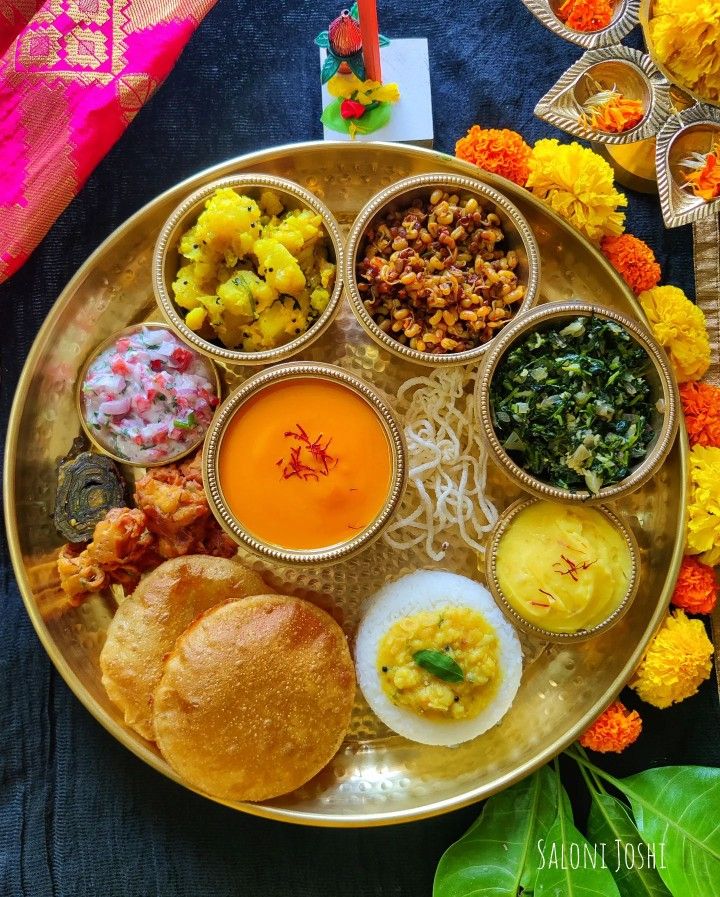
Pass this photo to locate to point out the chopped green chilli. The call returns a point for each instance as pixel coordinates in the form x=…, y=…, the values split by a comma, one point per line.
x=571, y=404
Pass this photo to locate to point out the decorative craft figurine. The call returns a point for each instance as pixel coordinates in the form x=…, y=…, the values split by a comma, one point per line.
x=357, y=101
x=361, y=104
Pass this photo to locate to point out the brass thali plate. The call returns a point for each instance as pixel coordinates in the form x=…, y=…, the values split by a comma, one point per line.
x=377, y=777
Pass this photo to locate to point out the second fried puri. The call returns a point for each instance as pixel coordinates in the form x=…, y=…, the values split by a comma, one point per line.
x=147, y=624
x=255, y=698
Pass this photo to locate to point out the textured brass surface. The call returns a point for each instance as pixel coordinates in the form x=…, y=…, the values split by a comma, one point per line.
x=377, y=777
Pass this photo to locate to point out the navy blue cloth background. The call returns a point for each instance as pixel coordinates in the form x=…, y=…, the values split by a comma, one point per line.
x=79, y=815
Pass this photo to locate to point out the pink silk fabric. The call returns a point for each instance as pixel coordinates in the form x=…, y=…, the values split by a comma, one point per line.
x=73, y=75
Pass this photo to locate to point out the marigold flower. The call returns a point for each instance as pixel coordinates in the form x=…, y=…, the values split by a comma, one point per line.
x=696, y=589
x=577, y=184
x=614, y=730
x=703, y=537
x=499, y=151
x=685, y=35
x=634, y=261
x=679, y=326
x=677, y=662
x=586, y=15
x=701, y=406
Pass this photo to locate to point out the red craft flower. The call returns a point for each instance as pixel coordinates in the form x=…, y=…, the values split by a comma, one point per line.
x=351, y=109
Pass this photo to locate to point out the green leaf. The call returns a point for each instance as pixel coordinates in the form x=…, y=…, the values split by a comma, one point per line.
x=677, y=807
x=439, y=664
x=372, y=120
x=498, y=855
x=357, y=66
x=354, y=11
x=383, y=41
x=569, y=865
x=323, y=39
x=330, y=67
x=610, y=824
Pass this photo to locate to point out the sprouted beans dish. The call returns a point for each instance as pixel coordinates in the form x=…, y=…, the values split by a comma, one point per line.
x=571, y=404
x=148, y=398
x=434, y=276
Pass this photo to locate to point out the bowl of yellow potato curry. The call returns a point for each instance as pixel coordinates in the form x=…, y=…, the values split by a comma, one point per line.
x=246, y=269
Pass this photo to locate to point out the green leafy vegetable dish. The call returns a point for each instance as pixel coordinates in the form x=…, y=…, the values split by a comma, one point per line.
x=572, y=405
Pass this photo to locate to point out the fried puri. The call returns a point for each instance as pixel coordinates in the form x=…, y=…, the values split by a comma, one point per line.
x=255, y=698
x=146, y=626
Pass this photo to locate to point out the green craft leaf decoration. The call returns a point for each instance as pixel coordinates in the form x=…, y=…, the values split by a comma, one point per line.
x=383, y=41
x=323, y=39
x=330, y=67
x=357, y=66
x=373, y=119
x=498, y=855
x=678, y=806
x=354, y=11
x=570, y=866
x=609, y=823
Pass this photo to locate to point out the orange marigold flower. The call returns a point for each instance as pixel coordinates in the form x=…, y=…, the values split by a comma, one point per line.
x=696, y=590
x=634, y=261
x=701, y=405
x=499, y=151
x=586, y=15
x=614, y=730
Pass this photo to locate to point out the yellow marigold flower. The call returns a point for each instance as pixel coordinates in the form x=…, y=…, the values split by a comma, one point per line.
x=350, y=87
x=677, y=662
x=703, y=536
x=614, y=730
x=577, y=184
x=685, y=35
x=679, y=326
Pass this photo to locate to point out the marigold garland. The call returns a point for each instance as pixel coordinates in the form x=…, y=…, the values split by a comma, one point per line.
x=614, y=730
x=696, y=589
x=703, y=537
x=634, y=261
x=499, y=151
x=577, y=184
x=701, y=406
x=677, y=662
x=679, y=326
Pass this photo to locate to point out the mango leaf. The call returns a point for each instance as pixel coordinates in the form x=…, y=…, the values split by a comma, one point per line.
x=569, y=865
x=498, y=855
x=676, y=812
x=323, y=39
x=610, y=824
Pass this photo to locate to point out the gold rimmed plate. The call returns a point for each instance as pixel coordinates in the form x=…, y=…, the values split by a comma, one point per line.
x=377, y=777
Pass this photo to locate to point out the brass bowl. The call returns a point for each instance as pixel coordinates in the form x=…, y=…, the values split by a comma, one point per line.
x=581, y=635
x=518, y=236
x=253, y=386
x=165, y=264
x=662, y=383
x=90, y=433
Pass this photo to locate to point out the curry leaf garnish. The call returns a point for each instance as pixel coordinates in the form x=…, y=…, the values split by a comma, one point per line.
x=439, y=664
x=498, y=855
x=571, y=404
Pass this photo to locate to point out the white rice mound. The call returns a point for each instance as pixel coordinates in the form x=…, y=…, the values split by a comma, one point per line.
x=412, y=594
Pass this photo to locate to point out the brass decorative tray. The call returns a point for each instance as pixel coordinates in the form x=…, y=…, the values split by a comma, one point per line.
x=377, y=777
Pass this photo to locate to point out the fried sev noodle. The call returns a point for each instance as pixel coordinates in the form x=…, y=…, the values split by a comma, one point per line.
x=447, y=463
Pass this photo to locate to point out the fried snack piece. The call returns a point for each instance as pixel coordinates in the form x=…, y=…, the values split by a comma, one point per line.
x=255, y=698
x=177, y=512
x=120, y=550
x=146, y=626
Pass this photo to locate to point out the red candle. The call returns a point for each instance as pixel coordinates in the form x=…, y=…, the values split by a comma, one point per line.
x=370, y=39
